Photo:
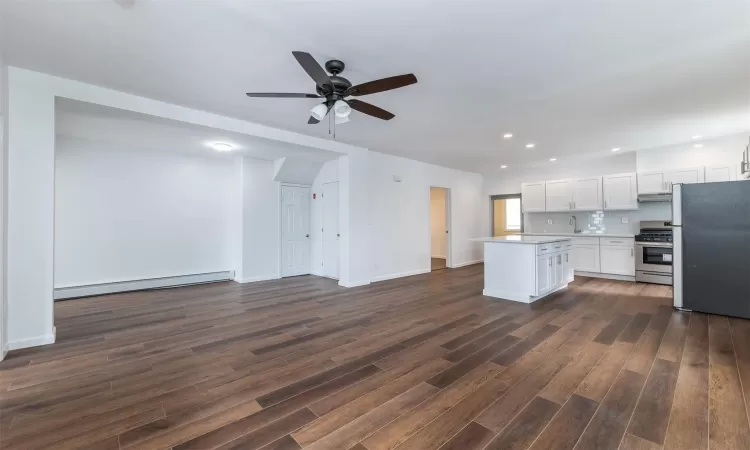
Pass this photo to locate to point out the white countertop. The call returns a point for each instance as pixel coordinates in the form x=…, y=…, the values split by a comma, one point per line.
x=587, y=235
x=522, y=239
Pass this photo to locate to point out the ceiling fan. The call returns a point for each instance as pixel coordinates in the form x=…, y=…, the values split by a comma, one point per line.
x=335, y=89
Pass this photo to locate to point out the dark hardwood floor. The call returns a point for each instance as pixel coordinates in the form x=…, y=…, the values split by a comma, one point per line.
x=424, y=362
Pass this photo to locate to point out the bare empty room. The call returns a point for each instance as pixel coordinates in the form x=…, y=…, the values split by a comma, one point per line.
x=375, y=225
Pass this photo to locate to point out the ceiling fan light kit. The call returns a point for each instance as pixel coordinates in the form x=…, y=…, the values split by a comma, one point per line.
x=342, y=109
x=319, y=111
x=335, y=89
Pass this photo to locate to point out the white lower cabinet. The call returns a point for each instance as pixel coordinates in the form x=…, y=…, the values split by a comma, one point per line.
x=618, y=260
x=543, y=269
x=553, y=270
x=568, y=270
x=586, y=257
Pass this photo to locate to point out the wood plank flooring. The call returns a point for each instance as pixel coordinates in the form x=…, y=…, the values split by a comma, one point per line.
x=417, y=363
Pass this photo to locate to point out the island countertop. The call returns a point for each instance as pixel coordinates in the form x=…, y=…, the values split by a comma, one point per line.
x=583, y=235
x=515, y=239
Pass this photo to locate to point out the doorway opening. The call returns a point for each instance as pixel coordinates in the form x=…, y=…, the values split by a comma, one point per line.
x=440, y=254
x=505, y=215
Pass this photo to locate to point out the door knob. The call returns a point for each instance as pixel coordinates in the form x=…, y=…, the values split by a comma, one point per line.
x=307, y=235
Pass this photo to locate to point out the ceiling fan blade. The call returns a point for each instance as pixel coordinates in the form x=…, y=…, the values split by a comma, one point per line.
x=313, y=69
x=385, y=84
x=369, y=109
x=281, y=95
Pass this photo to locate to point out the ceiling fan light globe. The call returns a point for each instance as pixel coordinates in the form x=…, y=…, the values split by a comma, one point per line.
x=319, y=111
x=342, y=109
x=340, y=120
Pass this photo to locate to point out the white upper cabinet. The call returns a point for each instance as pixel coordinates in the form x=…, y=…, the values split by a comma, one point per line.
x=587, y=193
x=686, y=176
x=559, y=195
x=659, y=182
x=726, y=172
x=652, y=182
x=533, y=197
x=620, y=191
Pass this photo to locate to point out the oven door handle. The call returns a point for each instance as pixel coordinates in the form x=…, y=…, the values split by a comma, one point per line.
x=654, y=244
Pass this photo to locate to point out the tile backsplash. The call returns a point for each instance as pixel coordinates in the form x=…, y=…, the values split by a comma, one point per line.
x=598, y=221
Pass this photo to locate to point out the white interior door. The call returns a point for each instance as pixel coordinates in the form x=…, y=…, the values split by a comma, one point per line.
x=331, y=230
x=295, y=231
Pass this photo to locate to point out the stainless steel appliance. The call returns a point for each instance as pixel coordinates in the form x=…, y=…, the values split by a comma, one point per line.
x=712, y=239
x=653, y=253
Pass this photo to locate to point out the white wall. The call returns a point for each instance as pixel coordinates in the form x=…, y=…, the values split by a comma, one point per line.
x=438, y=238
x=124, y=214
x=400, y=215
x=329, y=173
x=3, y=202
x=261, y=232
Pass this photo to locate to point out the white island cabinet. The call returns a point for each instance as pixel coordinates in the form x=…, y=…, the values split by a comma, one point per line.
x=526, y=268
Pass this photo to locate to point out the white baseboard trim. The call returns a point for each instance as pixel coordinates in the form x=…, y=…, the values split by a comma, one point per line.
x=32, y=342
x=520, y=297
x=607, y=276
x=353, y=284
x=467, y=263
x=400, y=275
x=139, y=285
x=256, y=279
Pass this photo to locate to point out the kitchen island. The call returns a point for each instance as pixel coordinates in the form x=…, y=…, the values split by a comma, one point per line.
x=526, y=268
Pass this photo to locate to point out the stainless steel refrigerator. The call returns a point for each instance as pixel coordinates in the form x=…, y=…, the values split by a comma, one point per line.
x=712, y=247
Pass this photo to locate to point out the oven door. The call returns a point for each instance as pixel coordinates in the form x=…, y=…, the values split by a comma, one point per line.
x=653, y=257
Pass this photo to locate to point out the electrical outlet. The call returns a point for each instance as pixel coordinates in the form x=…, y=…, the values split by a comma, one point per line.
x=624, y=220
x=550, y=221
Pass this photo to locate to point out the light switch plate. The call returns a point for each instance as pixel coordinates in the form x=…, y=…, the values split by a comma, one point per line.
x=550, y=221
x=624, y=220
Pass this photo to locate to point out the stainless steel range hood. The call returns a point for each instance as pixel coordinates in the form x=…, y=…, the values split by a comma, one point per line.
x=662, y=197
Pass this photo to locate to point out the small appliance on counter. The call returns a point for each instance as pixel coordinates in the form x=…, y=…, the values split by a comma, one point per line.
x=653, y=253
x=712, y=247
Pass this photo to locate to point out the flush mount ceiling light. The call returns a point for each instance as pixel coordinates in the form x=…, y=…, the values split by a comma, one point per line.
x=222, y=147
x=319, y=111
x=697, y=136
x=503, y=167
x=530, y=145
x=507, y=135
x=553, y=159
x=342, y=109
x=698, y=145
x=616, y=149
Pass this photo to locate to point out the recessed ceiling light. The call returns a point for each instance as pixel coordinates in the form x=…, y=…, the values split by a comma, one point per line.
x=222, y=147
x=503, y=167
x=697, y=136
x=507, y=135
x=698, y=145
x=553, y=159
x=530, y=145
x=616, y=149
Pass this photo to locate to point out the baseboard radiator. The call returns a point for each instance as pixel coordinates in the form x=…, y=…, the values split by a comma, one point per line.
x=65, y=293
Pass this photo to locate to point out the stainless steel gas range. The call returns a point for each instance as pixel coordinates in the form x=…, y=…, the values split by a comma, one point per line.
x=653, y=253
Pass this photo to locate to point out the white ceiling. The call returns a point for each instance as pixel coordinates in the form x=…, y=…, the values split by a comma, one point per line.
x=572, y=76
x=127, y=129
